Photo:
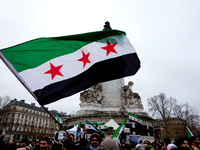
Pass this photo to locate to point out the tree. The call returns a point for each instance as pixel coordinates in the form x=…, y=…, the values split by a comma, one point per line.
x=4, y=110
x=190, y=115
x=162, y=107
x=4, y=101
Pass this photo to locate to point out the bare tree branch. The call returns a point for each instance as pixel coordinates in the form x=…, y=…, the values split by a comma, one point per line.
x=162, y=107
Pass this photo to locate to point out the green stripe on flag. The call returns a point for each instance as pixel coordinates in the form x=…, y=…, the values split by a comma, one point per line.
x=119, y=130
x=189, y=133
x=136, y=118
x=101, y=125
x=42, y=50
x=95, y=128
x=58, y=119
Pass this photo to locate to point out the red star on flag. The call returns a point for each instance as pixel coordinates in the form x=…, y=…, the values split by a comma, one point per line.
x=84, y=59
x=54, y=71
x=109, y=48
x=89, y=126
x=99, y=127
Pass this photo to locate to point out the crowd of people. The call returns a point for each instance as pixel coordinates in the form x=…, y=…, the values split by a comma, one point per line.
x=96, y=142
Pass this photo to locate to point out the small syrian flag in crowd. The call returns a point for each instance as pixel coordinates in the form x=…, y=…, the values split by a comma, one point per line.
x=91, y=128
x=58, y=119
x=118, y=133
x=78, y=130
x=58, y=67
x=4, y=131
x=101, y=126
x=159, y=135
x=134, y=118
x=189, y=133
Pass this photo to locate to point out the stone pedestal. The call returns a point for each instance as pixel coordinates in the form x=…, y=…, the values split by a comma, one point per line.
x=109, y=100
x=112, y=94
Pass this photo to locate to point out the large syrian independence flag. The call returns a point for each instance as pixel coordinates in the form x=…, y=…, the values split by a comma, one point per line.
x=57, y=67
x=118, y=133
x=92, y=129
x=134, y=118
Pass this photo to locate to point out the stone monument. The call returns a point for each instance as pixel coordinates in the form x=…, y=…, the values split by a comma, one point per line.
x=110, y=96
x=109, y=100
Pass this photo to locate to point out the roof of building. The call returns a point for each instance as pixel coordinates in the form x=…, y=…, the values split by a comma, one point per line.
x=32, y=106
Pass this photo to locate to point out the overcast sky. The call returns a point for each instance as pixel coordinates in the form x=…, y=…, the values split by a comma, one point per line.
x=165, y=34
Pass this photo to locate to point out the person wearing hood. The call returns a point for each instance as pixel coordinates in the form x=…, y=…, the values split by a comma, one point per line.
x=95, y=140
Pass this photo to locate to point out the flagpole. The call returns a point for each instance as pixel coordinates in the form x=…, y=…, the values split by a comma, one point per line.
x=15, y=73
x=54, y=119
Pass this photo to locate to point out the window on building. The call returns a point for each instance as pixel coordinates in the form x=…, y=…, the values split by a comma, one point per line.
x=141, y=129
x=22, y=115
x=30, y=117
x=11, y=121
x=37, y=119
x=151, y=131
x=19, y=129
x=18, y=114
x=14, y=108
x=33, y=118
x=26, y=116
x=30, y=111
x=13, y=114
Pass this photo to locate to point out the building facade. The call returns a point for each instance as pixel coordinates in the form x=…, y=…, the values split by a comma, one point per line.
x=27, y=121
x=176, y=127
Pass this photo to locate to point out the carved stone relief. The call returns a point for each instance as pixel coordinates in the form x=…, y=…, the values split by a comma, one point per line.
x=129, y=98
x=92, y=95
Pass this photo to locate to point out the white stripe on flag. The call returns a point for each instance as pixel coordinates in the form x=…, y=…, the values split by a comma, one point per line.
x=36, y=78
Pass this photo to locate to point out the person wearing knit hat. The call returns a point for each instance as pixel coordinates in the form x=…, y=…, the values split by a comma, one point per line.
x=149, y=147
x=118, y=142
x=95, y=140
x=109, y=144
